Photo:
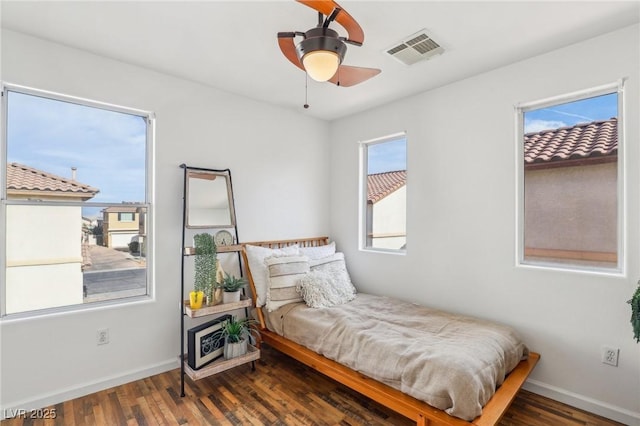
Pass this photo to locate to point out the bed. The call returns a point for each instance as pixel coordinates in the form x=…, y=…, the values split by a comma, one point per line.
x=461, y=382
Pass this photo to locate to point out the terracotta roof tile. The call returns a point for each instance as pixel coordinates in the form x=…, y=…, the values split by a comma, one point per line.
x=120, y=209
x=24, y=178
x=586, y=140
x=379, y=185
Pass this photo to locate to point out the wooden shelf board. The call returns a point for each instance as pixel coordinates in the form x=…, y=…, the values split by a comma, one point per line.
x=244, y=302
x=191, y=251
x=221, y=364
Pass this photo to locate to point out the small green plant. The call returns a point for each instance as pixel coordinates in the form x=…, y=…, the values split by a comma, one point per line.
x=134, y=247
x=232, y=283
x=234, y=330
x=635, y=313
x=206, y=264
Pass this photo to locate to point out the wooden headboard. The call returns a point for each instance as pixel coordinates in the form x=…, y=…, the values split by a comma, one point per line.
x=302, y=242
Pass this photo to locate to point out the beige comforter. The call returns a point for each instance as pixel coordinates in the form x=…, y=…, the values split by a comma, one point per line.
x=452, y=362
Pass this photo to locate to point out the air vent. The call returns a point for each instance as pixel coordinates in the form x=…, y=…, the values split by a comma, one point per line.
x=415, y=48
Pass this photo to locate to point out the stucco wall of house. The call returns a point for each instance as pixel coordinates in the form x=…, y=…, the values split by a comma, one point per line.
x=572, y=208
x=36, y=279
x=389, y=217
x=121, y=225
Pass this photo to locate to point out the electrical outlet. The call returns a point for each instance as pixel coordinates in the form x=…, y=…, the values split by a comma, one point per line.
x=102, y=336
x=610, y=355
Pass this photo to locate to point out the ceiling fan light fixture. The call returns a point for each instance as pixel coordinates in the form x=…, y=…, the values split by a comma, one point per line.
x=321, y=53
x=321, y=65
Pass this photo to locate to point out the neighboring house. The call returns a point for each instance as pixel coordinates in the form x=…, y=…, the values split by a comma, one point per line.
x=120, y=226
x=35, y=278
x=572, y=170
x=386, y=209
x=87, y=230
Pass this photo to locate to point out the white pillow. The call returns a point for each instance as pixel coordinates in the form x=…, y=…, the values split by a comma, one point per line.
x=318, y=290
x=328, y=283
x=256, y=256
x=284, y=273
x=336, y=267
x=318, y=252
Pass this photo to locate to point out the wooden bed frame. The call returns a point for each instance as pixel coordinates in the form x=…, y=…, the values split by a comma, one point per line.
x=410, y=407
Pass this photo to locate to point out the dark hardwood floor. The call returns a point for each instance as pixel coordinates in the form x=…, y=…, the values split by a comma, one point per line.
x=281, y=391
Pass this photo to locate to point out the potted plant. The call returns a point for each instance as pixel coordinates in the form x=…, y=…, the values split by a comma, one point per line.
x=635, y=313
x=205, y=269
x=235, y=333
x=231, y=286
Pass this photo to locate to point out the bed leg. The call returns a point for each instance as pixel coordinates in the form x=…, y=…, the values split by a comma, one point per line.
x=422, y=420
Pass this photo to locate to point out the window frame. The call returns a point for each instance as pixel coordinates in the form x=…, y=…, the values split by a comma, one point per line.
x=520, y=110
x=128, y=214
x=362, y=192
x=148, y=204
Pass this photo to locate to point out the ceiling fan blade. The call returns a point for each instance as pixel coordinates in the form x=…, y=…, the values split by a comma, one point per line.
x=326, y=7
x=288, y=48
x=348, y=76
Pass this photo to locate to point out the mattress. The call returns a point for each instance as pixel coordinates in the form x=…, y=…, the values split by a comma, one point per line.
x=452, y=362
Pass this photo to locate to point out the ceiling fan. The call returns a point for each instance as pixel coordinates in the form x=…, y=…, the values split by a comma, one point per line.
x=321, y=51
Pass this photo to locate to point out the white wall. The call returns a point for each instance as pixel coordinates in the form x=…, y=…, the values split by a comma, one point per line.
x=278, y=160
x=461, y=235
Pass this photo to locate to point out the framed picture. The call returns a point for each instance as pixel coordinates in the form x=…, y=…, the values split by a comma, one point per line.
x=203, y=343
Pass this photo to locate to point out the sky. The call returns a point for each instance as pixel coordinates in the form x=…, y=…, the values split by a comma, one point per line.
x=569, y=114
x=107, y=148
x=387, y=156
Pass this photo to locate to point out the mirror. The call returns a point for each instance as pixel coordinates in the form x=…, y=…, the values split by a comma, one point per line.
x=209, y=199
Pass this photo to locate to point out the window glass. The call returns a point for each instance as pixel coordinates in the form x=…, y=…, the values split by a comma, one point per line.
x=74, y=201
x=571, y=183
x=126, y=217
x=384, y=194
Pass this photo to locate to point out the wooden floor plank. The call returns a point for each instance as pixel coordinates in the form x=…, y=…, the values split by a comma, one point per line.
x=281, y=392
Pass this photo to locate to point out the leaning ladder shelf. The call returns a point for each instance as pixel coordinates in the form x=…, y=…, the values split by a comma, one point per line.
x=245, y=302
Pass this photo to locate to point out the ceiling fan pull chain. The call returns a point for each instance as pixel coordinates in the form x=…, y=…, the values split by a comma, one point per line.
x=306, y=90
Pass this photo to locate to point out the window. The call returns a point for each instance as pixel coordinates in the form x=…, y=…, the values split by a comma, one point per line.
x=571, y=186
x=126, y=217
x=383, y=194
x=75, y=204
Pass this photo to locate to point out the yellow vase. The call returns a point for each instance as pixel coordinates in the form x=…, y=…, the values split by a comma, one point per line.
x=195, y=299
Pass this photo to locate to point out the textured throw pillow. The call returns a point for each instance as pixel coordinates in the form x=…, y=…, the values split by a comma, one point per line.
x=318, y=290
x=328, y=283
x=255, y=257
x=284, y=273
x=336, y=267
x=318, y=252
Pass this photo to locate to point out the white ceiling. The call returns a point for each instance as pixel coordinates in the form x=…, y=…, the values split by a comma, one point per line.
x=232, y=45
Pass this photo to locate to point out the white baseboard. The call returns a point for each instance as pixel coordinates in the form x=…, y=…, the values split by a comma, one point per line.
x=600, y=408
x=61, y=395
